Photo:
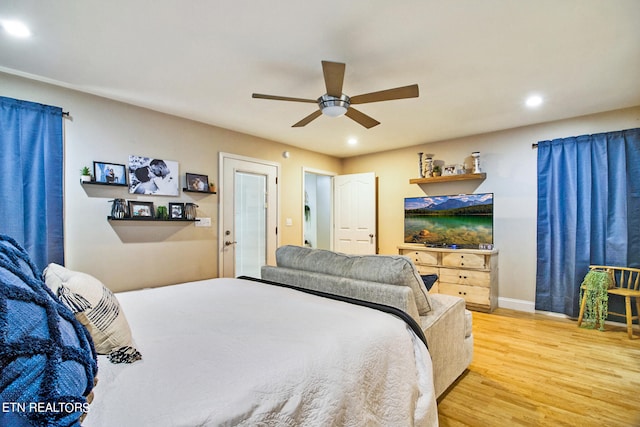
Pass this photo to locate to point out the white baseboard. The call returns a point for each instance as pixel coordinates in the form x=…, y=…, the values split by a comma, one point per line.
x=517, y=304
x=530, y=307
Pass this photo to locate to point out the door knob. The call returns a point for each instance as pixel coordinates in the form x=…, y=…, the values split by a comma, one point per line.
x=229, y=243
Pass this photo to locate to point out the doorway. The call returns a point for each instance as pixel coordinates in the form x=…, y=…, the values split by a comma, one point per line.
x=249, y=215
x=318, y=209
x=339, y=211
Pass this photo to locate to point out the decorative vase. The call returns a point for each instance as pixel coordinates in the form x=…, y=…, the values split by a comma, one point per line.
x=476, y=162
x=420, y=168
x=119, y=209
x=428, y=167
x=190, y=210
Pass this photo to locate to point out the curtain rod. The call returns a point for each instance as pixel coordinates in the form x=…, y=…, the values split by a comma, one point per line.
x=534, y=145
x=65, y=113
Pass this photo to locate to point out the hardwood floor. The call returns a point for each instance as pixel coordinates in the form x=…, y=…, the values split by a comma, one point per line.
x=540, y=370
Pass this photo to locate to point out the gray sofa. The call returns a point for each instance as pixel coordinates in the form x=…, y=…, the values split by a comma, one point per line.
x=391, y=280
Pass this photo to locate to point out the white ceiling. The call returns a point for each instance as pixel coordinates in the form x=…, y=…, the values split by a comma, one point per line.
x=475, y=61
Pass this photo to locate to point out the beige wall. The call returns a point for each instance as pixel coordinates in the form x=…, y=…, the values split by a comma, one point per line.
x=511, y=167
x=128, y=256
x=131, y=255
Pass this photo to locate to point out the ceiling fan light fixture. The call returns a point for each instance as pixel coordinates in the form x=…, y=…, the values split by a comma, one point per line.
x=334, y=111
x=332, y=106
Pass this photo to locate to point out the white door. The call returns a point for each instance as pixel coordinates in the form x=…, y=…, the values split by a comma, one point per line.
x=247, y=233
x=355, y=213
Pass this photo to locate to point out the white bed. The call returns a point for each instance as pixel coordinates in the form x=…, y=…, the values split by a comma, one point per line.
x=237, y=352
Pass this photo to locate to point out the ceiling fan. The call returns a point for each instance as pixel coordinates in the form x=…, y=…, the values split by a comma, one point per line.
x=334, y=103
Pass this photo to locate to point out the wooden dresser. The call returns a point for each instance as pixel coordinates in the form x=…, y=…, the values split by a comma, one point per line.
x=468, y=273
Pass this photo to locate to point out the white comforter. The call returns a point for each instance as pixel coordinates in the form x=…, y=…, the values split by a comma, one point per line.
x=236, y=352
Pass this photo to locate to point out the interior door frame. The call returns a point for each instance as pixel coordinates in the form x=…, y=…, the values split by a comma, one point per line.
x=332, y=175
x=221, y=157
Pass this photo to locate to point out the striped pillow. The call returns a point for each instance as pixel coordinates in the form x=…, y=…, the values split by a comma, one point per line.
x=97, y=308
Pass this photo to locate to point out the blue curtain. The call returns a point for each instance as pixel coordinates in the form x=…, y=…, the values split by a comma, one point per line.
x=31, y=165
x=588, y=213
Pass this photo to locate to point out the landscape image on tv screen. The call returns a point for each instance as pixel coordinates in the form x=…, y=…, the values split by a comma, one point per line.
x=464, y=220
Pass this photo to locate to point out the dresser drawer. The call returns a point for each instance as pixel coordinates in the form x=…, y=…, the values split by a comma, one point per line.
x=467, y=260
x=471, y=294
x=465, y=277
x=421, y=257
x=425, y=269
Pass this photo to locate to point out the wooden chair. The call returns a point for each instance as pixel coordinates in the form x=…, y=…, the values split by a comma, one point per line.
x=626, y=283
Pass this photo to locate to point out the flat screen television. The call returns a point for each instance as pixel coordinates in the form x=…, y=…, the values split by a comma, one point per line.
x=463, y=221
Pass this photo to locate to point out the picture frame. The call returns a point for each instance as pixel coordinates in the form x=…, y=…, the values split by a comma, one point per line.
x=448, y=170
x=154, y=176
x=176, y=210
x=141, y=210
x=110, y=173
x=197, y=182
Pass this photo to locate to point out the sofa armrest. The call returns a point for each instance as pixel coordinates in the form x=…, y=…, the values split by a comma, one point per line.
x=450, y=347
x=400, y=297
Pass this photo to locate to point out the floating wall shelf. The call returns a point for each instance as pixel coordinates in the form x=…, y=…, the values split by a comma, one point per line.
x=110, y=184
x=186, y=190
x=449, y=178
x=140, y=219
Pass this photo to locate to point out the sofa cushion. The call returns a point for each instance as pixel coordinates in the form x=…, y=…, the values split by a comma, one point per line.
x=389, y=269
x=47, y=360
x=97, y=308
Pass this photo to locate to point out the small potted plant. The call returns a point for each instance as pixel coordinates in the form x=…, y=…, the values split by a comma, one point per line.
x=437, y=170
x=85, y=174
x=212, y=187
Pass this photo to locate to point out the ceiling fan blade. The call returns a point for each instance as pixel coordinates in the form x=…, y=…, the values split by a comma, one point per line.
x=283, y=98
x=410, y=91
x=308, y=119
x=361, y=118
x=333, y=77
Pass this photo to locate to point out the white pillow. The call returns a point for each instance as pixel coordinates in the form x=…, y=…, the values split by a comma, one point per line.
x=97, y=308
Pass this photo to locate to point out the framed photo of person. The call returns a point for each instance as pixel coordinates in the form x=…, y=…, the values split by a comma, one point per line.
x=197, y=182
x=449, y=170
x=110, y=173
x=141, y=210
x=148, y=175
x=176, y=210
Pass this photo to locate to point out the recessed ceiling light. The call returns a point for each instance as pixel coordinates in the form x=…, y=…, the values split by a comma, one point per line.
x=352, y=141
x=16, y=29
x=534, y=101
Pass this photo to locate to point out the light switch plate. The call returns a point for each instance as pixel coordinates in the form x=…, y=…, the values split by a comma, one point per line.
x=203, y=222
